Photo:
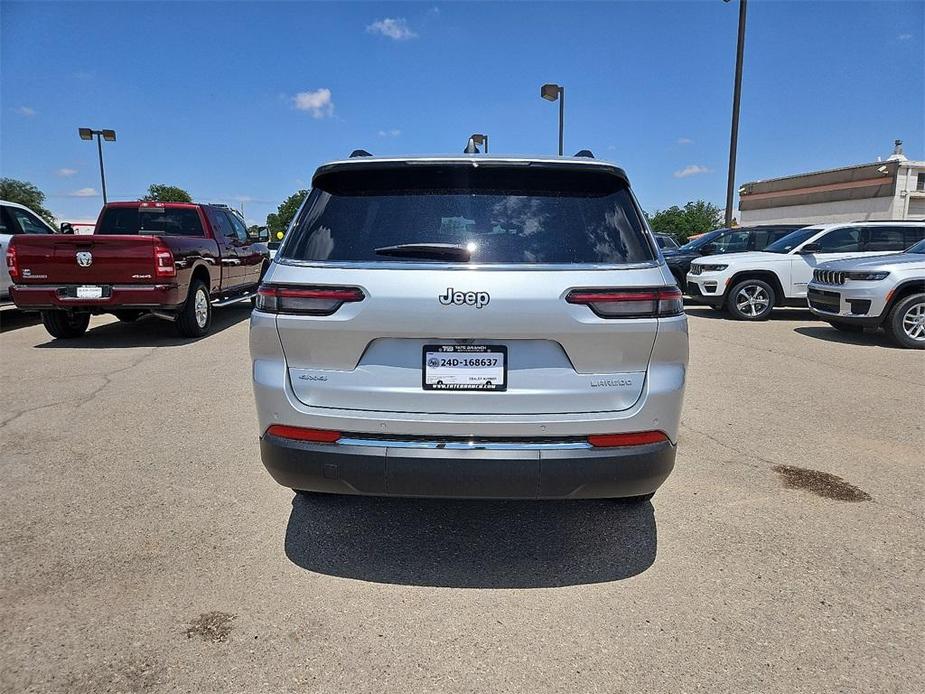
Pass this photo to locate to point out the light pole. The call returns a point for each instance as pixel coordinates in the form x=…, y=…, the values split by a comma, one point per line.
x=553, y=92
x=109, y=136
x=736, y=98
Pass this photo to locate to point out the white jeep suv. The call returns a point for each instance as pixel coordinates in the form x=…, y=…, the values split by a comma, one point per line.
x=469, y=326
x=749, y=285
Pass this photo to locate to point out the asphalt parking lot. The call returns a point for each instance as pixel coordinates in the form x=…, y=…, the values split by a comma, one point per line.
x=144, y=547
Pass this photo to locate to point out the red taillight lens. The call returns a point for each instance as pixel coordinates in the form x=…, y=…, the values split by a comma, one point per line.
x=630, y=303
x=163, y=262
x=637, y=438
x=312, y=301
x=11, y=263
x=303, y=434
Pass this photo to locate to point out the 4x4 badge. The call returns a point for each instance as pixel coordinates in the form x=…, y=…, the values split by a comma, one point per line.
x=477, y=299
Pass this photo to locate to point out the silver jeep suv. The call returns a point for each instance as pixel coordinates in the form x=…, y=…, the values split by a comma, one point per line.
x=469, y=326
x=887, y=291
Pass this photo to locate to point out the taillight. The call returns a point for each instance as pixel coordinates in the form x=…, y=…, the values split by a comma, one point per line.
x=163, y=262
x=11, y=262
x=302, y=434
x=630, y=303
x=312, y=301
x=636, y=438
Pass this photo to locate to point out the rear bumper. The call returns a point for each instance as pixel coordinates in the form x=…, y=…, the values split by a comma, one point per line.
x=535, y=473
x=140, y=296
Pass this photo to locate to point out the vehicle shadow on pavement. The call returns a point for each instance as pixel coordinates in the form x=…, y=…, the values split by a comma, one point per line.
x=148, y=332
x=12, y=319
x=829, y=334
x=469, y=543
x=778, y=314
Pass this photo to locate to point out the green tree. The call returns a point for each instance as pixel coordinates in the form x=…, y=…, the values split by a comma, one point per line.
x=161, y=192
x=694, y=218
x=278, y=221
x=25, y=193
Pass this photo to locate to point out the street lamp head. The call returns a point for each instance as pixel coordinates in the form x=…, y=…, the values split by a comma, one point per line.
x=109, y=135
x=550, y=92
x=85, y=133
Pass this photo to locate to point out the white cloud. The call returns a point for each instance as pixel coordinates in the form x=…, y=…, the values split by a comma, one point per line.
x=83, y=193
x=396, y=29
x=26, y=111
x=691, y=170
x=904, y=37
x=318, y=103
x=685, y=141
x=65, y=172
x=394, y=132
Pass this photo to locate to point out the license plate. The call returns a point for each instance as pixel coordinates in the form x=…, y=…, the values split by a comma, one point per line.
x=88, y=291
x=465, y=367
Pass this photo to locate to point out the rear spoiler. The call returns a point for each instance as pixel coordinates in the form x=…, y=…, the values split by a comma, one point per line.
x=364, y=165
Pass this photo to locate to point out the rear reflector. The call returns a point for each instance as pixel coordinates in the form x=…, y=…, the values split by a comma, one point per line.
x=637, y=438
x=312, y=301
x=303, y=434
x=630, y=303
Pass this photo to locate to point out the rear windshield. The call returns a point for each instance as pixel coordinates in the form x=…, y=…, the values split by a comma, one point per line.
x=500, y=214
x=159, y=221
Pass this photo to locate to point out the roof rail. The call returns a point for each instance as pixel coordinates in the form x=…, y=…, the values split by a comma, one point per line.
x=585, y=153
x=359, y=153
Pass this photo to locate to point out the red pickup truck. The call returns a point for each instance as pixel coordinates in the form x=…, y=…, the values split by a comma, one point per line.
x=173, y=260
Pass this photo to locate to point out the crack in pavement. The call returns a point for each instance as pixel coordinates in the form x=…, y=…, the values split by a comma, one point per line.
x=81, y=400
x=804, y=358
x=771, y=464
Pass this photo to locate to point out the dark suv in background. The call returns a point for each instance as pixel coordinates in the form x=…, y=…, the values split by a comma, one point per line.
x=735, y=240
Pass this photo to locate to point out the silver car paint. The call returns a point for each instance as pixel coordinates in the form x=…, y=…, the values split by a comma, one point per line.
x=903, y=267
x=571, y=373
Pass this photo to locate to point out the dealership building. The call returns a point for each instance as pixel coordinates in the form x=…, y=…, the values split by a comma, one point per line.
x=882, y=190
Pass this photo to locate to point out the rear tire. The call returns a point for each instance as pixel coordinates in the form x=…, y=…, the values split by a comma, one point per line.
x=906, y=322
x=195, y=318
x=846, y=327
x=128, y=316
x=65, y=325
x=751, y=300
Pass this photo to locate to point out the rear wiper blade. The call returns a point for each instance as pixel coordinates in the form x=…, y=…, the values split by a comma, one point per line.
x=429, y=251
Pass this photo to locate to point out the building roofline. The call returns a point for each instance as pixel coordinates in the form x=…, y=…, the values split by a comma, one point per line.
x=906, y=162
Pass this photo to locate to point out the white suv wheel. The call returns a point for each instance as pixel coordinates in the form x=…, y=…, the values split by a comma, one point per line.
x=751, y=300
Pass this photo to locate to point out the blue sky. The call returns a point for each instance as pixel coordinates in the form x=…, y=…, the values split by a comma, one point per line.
x=240, y=101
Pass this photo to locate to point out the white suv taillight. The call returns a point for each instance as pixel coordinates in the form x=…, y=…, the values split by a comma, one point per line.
x=630, y=303
x=311, y=301
x=163, y=262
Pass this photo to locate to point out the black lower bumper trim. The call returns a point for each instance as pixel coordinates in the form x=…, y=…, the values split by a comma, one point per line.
x=478, y=473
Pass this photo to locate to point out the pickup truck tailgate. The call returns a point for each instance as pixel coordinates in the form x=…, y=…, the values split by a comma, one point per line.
x=82, y=259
